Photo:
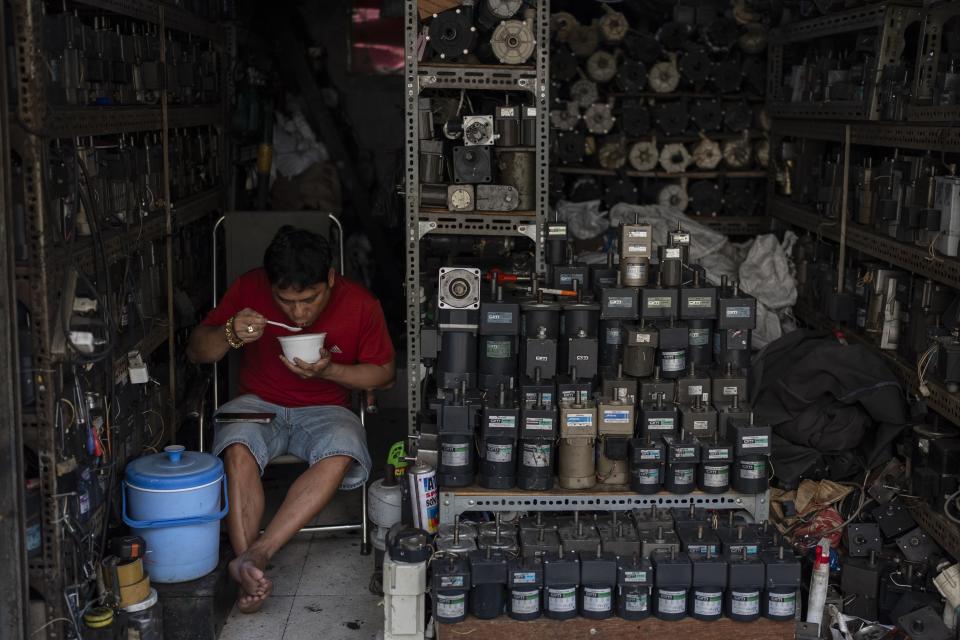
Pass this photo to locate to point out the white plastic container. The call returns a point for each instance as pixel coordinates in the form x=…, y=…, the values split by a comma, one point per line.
x=304, y=347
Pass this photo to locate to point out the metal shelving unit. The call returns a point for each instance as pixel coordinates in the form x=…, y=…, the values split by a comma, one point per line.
x=671, y=175
x=900, y=135
x=939, y=399
x=600, y=498
x=66, y=122
x=38, y=281
x=912, y=258
x=887, y=18
x=418, y=77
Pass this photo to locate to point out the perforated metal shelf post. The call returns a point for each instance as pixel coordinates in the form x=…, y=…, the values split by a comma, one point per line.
x=454, y=502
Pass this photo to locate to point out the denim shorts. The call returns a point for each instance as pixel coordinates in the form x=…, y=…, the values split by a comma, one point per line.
x=309, y=433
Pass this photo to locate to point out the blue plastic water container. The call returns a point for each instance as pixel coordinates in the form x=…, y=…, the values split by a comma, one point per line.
x=172, y=500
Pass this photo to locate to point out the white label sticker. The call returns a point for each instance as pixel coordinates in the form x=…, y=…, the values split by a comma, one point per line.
x=642, y=338
x=745, y=603
x=699, y=337
x=451, y=606
x=499, y=317
x=499, y=452
x=753, y=470
x=636, y=271
x=682, y=476
x=782, y=604
x=671, y=253
x=707, y=604
x=660, y=424
x=620, y=302
x=502, y=422
x=695, y=390
x=755, y=442
x=536, y=455
x=614, y=335
x=637, y=233
x=634, y=576
x=539, y=424
x=731, y=391
x=671, y=601
x=562, y=600
x=718, y=454
x=636, y=601
x=637, y=248
x=647, y=476
x=699, y=301
x=451, y=582
x=598, y=600
x=650, y=454
x=673, y=361
x=716, y=476
x=579, y=419
x=616, y=416
x=738, y=312
x=455, y=455
x=659, y=302
x=525, y=601
x=701, y=425
x=685, y=453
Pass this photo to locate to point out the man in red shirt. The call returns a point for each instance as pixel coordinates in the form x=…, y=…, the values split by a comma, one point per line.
x=310, y=400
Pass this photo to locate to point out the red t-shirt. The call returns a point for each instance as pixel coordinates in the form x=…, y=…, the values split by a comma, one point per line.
x=352, y=319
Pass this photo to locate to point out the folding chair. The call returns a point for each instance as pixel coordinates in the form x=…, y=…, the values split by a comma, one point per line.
x=247, y=234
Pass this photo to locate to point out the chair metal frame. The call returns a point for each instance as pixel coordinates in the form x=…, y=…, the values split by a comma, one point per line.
x=361, y=526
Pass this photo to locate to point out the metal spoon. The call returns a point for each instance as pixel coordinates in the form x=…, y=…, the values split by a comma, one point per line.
x=284, y=326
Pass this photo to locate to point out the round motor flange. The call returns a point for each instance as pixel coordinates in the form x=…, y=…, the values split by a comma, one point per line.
x=617, y=190
x=672, y=117
x=602, y=66
x=634, y=118
x=612, y=153
x=599, y=118
x=583, y=40
x=707, y=115
x=632, y=76
x=642, y=46
x=451, y=34
x=705, y=199
x=738, y=153
x=563, y=65
x=513, y=42
x=696, y=67
x=644, y=156
x=566, y=117
x=570, y=147
x=673, y=195
x=707, y=155
x=664, y=76
x=738, y=116
x=674, y=158
x=728, y=75
x=674, y=35
x=494, y=11
x=584, y=93
x=561, y=24
x=613, y=25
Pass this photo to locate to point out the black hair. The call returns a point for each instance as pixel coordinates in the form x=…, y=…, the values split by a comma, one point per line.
x=297, y=258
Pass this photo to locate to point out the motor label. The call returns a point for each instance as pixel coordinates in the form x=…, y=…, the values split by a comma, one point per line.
x=650, y=454
x=539, y=424
x=755, y=442
x=500, y=317
x=636, y=601
x=536, y=455
x=750, y=470
x=579, y=419
x=451, y=582
x=562, y=600
x=455, y=454
x=782, y=604
x=499, y=452
x=699, y=337
x=525, y=601
x=683, y=476
x=499, y=349
x=647, y=476
x=451, y=606
x=699, y=302
x=502, y=422
x=659, y=302
x=716, y=476
x=707, y=604
x=634, y=576
x=670, y=601
x=525, y=577
x=642, y=338
x=731, y=391
x=598, y=600
x=614, y=335
x=695, y=390
x=616, y=416
x=738, y=312
x=660, y=424
x=673, y=361
x=621, y=302
x=701, y=425
x=745, y=603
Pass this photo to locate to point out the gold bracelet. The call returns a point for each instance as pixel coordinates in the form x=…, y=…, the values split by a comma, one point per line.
x=232, y=338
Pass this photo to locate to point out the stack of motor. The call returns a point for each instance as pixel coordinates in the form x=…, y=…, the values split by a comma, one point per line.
x=682, y=97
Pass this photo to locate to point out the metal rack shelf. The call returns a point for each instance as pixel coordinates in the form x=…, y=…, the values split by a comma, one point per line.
x=479, y=223
x=454, y=502
x=916, y=259
x=868, y=17
x=174, y=17
x=482, y=77
x=878, y=134
x=695, y=175
x=70, y=122
x=939, y=399
x=938, y=526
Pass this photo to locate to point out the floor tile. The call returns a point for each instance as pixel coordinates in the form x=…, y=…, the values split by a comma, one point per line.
x=335, y=567
x=285, y=567
x=267, y=624
x=335, y=618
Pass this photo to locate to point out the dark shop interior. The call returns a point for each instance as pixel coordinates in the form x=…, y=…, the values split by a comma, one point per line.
x=444, y=319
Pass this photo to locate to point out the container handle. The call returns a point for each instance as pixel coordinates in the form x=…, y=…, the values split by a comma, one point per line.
x=175, y=522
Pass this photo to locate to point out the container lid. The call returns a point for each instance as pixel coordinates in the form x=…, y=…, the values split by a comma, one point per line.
x=143, y=604
x=174, y=469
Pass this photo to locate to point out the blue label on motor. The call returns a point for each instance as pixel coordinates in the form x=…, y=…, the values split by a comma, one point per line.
x=499, y=317
x=524, y=578
x=738, y=312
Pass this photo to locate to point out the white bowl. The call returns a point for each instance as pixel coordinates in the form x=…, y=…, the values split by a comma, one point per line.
x=305, y=347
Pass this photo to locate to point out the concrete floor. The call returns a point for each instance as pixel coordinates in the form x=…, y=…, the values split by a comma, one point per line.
x=320, y=591
x=321, y=580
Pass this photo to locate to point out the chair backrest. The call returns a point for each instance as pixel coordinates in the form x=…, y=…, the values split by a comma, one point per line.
x=245, y=239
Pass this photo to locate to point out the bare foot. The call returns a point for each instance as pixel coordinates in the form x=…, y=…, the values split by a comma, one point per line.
x=247, y=570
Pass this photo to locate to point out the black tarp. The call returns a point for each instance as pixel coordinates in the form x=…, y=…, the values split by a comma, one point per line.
x=835, y=409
